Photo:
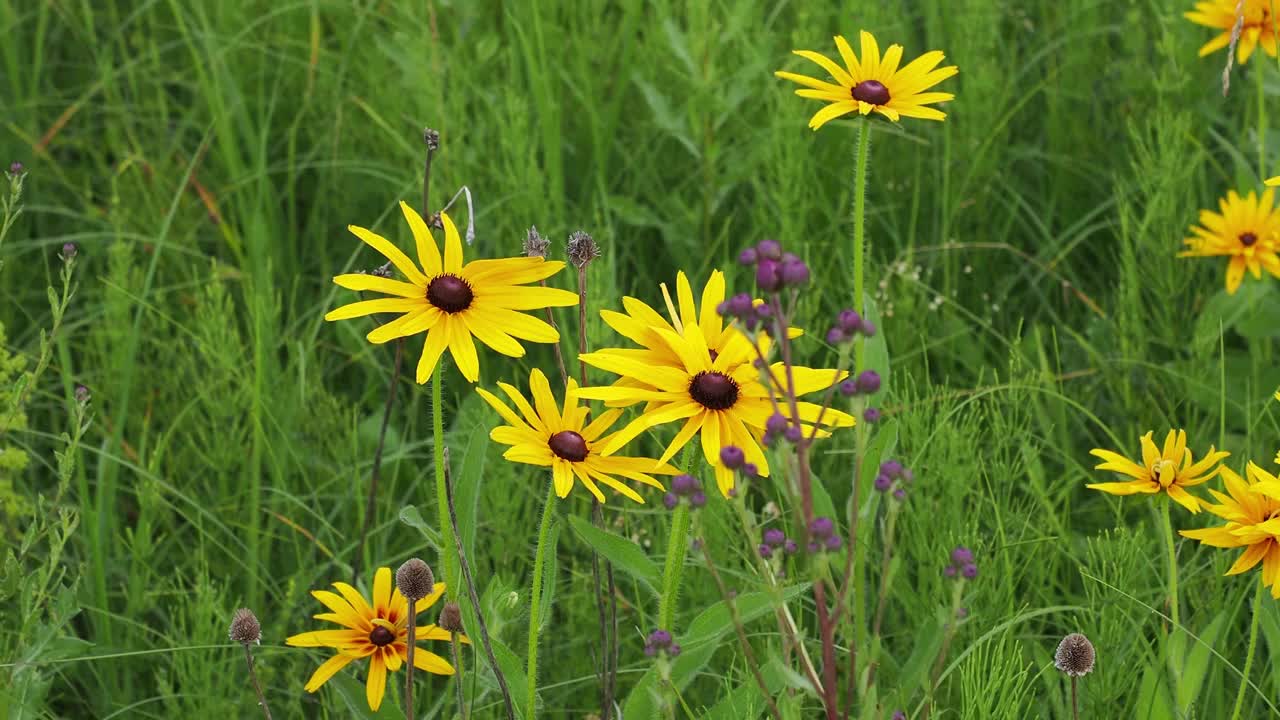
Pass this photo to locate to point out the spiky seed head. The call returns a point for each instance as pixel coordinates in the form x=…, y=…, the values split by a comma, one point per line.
x=534, y=244
x=582, y=249
x=450, y=618
x=432, y=139
x=245, y=628
x=1075, y=655
x=415, y=580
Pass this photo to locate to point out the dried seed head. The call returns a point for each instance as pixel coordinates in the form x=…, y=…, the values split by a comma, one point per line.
x=245, y=628
x=432, y=139
x=534, y=244
x=582, y=249
x=1075, y=655
x=450, y=618
x=415, y=580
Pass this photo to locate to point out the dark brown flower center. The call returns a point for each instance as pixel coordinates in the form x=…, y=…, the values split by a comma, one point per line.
x=381, y=636
x=1248, y=239
x=714, y=390
x=569, y=445
x=450, y=293
x=871, y=91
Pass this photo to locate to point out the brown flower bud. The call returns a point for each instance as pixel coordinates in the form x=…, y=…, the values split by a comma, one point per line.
x=450, y=618
x=415, y=580
x=245, y=628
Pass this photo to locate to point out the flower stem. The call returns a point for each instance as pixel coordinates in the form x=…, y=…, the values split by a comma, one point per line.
x=410, y=642
x=535, y=601
x=1075, y=703
x=262, y=700
x=448, y=541
x=949, y=634
x=859, y=228
x=1174, y=668
x=457, y=680
x=1248, y=660
x=677, y=549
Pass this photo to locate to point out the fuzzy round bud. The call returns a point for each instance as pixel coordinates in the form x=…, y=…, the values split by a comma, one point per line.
x=970, y=571
x=748, y=256
x=82, y=394
x=15, y=168
x=660, y=638
x=450, y=619
x=739, y=305
x=534, y=244
x=69, y=250
x=961, y=555
x=684, y=484
x=776, y=423
x=950, y=571
x=750, y=469
x=900, y=494
x=848, y=388
x=432, y=139
x=813, y=547
x=867, y=328
x=883, y=482
x=732, y=457
x=868, y=382
x=773, y=537
x=790, y=547
x=1075, y=655
x=891, y=467
x=674, y=650
x=769, y=249
x=793, y=434
x=849, y=321
x=699, y=499
x=670, y=501
x=415, y=580
x=768, y=277
x=245, y=628
x=834, y=542
x=766, y=551
x=581, y=249
x=871, y=415
x=793, y=273
x=822, y=527
x=899, y=715
x=835, y=336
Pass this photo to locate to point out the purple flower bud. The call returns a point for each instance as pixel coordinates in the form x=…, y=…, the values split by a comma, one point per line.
x=970, y=571
x=794, y=273
x=699, y=498
x=900, y=494
x=748, y=256
x=814, y=548
x=867, y=328
x=733, y=492
x=670, y=501
x=793, y=434
x=848, y=388
x=835, y=336
x=750, y=469
x=899, y=715
x=649, y=650
x=770, y=249
x=961, y=555
x=82, y=394
x=722, y=308
x=834, y=543
x=732, y=457
x=68, y=250
x=766, y=552
x=776, y=424
x=674, y=650
x=740, y=305
x=871, y=415
x=849, y=321
x=883, y=482
x=891, y=467
x=790, y=547
x=660, y=638
x=868, y=381
x=773, y=537
x=768, y=278
x=764, y=311
x=950, y=571
x=821, y=527
x=15, y=167
x=683, y=484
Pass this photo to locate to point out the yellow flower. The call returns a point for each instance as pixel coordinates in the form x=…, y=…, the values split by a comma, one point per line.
x=720, y=397
x=1252, y=512
x=453, y=302
x=1170, y=469
x=1247, y=230
x=563, y=441
x=874, y=83
x=1258, y=27
x=377, y=630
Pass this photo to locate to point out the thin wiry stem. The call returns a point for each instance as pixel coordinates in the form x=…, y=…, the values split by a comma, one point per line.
x=412, y=641
x=457, y=678
x=377, y=461
x=1248, y=658
x=253, y=678
x=1075, y=705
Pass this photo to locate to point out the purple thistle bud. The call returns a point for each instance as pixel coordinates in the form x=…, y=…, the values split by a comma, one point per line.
x=899, y=715
x=764, y=311
x=670, y=501
x=871, y=415
x=767, y=276
x=699, y=498
x=684, y=484
x=793, y=434
x=868, y=382
x=867, y=328
x=790, y=547
x=961, y=555
x=722, y=308
x=748, y=256
x=900, y=494
x=750, y=469
x=82, y=394
x=849, y=321
x=68, y=251
x=740, y=305
x=15, y=167
x=814, y=548
x=970, y=571
x=891, y=467
x=766, y=551
x=848, y=388
x=674, y=650
x=834, y=543
x=660, y=638
x=835, y=336
x=770, y=249
x=794, y=273
x=649, y=650
x=732, y=457
x=773, y=537
x=950, y=571
x=776, y=424
x=883, y=482
x=822, y=527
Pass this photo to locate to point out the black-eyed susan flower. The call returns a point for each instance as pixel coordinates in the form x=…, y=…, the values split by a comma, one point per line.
x=720, y=396
x=376, y=629
x=1252, y=511
x=1258, y=27
x=873, y=83
x=560, y=438
x=452, y=302
x=1170, y=469
x=1247, y=230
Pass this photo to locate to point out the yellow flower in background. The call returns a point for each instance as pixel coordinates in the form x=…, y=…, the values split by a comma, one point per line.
x=377, y=629
x=1258, y=28
x=874, y=83
x=720, y=397
x=1247, y=230
x=562, y=440
x=452, y=302
x=1170, y=469
x=1252, y=512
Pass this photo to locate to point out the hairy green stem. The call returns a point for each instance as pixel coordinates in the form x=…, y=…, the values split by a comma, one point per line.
x=447, y=539
x=1253, y=646
x=673, y=571
x=859, y=228
x=1174, y=667
x=1260, y=75
x=535, y=601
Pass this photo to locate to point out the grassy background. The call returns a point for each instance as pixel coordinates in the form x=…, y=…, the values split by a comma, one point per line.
x=206, y=158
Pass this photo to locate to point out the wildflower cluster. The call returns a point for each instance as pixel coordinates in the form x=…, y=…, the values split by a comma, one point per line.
x=848, y=326
x=893, y=478
x=962, y=564
x=685, y=487
x=822, y=536
x=660, y=642
x=775, y=540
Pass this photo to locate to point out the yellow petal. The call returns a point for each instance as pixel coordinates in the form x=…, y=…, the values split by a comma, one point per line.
x=376, y=686
x=452, y=246
x=327, y=670
x=428, y=253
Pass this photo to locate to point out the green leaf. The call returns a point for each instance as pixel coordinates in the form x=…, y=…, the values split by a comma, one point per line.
x=410, y=516
x=711, y=624
x=924, y=651
x=1225, y=311
x=875, y=354
x=355, y=701
x=1153, y=697
x=1197, y=661
x=621, y=552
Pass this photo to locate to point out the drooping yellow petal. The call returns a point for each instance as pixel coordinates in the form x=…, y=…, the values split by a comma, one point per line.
x=327, y=669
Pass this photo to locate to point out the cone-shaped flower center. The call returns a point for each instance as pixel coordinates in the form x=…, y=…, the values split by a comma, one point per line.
x=569, y=445
x=381, y=636
x=450, y=293
x=1248, y=239
x=1164, y=472
x=871, y=91
x=714, y=390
